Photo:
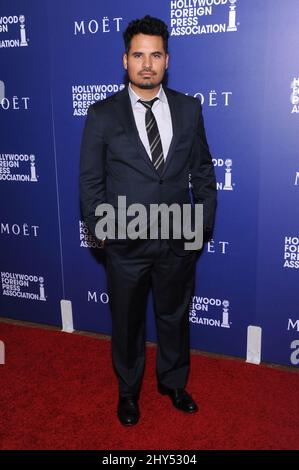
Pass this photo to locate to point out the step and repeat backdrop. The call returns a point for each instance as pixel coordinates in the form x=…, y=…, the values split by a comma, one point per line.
x=239, y=58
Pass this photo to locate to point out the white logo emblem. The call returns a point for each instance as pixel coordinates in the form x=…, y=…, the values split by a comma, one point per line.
x=18, y=285
x=291, y=252
x=295, y=95
x=15, y=103
x=228, y=183
x=187, y=17
x=232, y=16
x=5, y=24
x=14, y=167
x=102, y=25
x=85, y=95
x=198, y=305
x=86, y=238
x=23, y=31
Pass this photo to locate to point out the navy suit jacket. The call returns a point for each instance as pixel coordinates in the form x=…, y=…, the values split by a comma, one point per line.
x=114, y=161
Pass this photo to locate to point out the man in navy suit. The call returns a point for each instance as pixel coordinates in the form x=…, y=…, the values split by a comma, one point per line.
x=146, y=143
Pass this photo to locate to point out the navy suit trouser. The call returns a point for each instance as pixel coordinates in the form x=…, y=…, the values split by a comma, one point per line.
x=133, y=267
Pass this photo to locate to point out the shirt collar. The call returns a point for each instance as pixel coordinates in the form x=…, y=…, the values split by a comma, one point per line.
x=135, y=98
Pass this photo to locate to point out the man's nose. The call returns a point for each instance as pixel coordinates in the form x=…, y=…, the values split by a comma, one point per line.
x=147, y=62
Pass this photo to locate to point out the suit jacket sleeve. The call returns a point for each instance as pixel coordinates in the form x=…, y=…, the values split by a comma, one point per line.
x=202, y=173
x=92, y=168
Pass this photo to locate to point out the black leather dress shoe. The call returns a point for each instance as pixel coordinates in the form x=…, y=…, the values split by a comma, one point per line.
x=180, y=398
x=128, y=410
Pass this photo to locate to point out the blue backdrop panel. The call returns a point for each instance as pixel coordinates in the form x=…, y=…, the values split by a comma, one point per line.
x=224, y=70
x=31, y=278
x=86, y=56
x=278, y=249
x=237, y=58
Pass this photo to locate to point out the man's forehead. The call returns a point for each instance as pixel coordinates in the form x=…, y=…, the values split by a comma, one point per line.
x=147, y=40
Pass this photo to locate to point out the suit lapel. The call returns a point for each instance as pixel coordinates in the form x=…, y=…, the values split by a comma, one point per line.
x=176, y=126
x=125, y=114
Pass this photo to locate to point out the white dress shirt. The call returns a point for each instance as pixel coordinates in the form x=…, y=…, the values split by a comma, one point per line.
x=162, y=114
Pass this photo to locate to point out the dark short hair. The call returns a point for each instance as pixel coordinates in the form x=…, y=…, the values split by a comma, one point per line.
x=147, y=25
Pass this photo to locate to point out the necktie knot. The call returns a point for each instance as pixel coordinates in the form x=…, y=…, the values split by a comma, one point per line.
x=148, y=104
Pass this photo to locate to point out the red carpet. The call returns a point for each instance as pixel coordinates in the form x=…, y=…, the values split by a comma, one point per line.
x=58, y=391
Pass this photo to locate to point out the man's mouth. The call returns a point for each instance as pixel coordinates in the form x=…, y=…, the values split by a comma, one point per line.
x=146, y=74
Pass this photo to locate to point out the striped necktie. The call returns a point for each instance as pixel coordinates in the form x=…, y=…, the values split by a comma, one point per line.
x=153, y=136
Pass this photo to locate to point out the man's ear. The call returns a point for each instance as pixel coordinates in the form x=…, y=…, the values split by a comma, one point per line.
x=167, y=59
x=125, y=61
